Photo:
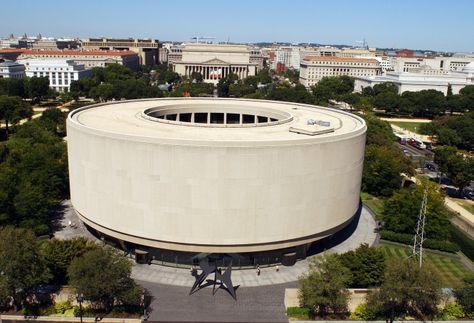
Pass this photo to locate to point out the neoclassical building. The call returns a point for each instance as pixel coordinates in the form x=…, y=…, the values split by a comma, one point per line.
x=406, y=81
x=314, y=68
x=215, y=61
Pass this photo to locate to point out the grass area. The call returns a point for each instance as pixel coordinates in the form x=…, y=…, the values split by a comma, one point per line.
x=466, y=204
x=411, y=126
x=374, y=203
x=450, y=270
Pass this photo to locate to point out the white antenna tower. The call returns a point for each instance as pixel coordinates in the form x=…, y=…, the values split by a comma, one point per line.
x=420, y=231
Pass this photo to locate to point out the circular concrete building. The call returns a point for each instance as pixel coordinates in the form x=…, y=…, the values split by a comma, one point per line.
x=201, y=175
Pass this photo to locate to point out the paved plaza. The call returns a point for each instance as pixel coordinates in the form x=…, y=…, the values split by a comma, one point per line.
x=254, y=304
x=260, y=298
x=364, y=233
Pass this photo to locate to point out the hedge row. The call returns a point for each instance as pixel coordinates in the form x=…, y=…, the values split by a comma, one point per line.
x=404, y=238
x=465, y=243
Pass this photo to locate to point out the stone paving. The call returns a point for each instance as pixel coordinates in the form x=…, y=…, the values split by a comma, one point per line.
x=69, y=225
x=364, y=233
x=259, y=298
x=254, y=304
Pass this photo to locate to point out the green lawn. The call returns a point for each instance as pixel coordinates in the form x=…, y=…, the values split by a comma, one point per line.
x=374, y=203
x=411, y=126
x=450, y=269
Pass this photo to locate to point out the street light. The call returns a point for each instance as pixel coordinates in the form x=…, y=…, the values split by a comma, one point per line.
x=145, y=305
x=80, y=299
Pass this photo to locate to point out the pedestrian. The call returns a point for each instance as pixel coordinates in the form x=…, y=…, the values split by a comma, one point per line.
x=258, y=270
x=277, y=268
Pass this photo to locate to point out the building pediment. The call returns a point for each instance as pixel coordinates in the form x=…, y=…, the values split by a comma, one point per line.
x=216, y=61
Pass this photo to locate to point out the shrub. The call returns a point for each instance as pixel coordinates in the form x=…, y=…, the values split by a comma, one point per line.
x=405, y=238
x=452, y=311
x=362, y=313
x=298, y=312
x=62, y=307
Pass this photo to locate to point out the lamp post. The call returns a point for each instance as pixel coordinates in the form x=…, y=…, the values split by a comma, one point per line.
x=80, y=299
x=145, y=305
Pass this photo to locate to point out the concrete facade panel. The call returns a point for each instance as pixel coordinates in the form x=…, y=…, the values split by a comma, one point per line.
x=224, y=195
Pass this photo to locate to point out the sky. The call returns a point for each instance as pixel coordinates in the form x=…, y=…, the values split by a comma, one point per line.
x=416, y=24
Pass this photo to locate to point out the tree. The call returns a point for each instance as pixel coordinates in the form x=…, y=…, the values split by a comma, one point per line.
x=14, y=87
x=55, y=121
x=34, y=168
x=58, y=255
x=407, y=290
x=467, y=95
x=465, y=296
x=385, y=87
x=379, y=132
x=323, y=288
x=383, y=166
x=388, y=101
x=102, y=275
x=402, y=209
x=38, y=87
x=458, y=168
x=264, y=76
x=332, y=88
x=102, y=92
x=22, y=268
x=367, y=266
x=293, y=75
x=383, y=162
x=13, y=109
x=297, y=93
x=224, y=84
x=196, y=77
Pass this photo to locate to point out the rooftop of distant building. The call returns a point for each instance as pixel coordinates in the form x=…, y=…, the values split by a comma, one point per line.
x=68, y=52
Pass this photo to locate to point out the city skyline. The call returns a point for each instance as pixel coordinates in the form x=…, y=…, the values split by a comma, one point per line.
x=402, y=24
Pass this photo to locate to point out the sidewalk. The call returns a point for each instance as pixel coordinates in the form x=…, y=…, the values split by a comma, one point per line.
x=410, y=133
x=248, y=277
x=462, y=212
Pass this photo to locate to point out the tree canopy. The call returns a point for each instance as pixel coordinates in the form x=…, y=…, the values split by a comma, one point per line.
x=402, y=209
x=114, y=82
x=458, y=168
x=58, y=255
x=102, y=276
x=367, y=266
x=323, y=289
x=465, y=296
x=33, y=177
x=383, y=162
x=13, y=109
x=407, y=291
x=21, y=266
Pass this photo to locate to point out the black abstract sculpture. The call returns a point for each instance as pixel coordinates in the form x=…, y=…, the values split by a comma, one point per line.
x=222, y=280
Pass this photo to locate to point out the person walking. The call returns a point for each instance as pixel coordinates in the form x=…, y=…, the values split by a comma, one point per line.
x=258, y=270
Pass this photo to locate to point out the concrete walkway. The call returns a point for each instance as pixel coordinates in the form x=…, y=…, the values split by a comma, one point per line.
x=406, y=120
x=409, y=133
x=364, y=233
x=462, y=212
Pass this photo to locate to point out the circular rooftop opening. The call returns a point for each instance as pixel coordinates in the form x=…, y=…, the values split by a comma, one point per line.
x=219, y=115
